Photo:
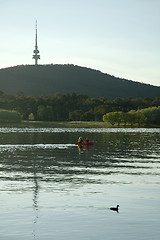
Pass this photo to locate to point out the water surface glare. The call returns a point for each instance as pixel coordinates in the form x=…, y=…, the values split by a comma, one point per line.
x=52, y=189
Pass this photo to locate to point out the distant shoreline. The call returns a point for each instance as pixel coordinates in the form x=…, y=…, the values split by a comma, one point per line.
x=71, y=124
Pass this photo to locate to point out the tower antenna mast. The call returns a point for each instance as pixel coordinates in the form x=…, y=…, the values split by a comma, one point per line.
x=36, y=55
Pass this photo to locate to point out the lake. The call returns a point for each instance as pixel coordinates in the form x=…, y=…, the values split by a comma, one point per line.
x=52, y=189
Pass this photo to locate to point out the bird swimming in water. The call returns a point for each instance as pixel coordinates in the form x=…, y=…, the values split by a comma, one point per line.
x=115, y=208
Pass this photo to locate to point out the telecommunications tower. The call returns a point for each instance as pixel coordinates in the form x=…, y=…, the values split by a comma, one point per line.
x=36, y=55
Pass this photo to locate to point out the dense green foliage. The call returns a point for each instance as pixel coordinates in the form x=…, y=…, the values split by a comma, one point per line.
x=9, y=116
x=72, y=106
x=149, y=115
x=65, y=79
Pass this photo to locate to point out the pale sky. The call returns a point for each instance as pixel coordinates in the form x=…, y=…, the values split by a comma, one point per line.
x=118, y=37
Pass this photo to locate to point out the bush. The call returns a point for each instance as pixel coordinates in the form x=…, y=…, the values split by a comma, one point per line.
x=149, y=115
x=111, y=117
x=152, y=115
x=9, y=116
x=132, y=117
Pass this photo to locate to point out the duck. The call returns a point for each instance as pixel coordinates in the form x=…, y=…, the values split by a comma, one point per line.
x=114, y=208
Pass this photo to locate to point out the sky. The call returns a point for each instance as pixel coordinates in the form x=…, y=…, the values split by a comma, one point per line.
x=118, y=37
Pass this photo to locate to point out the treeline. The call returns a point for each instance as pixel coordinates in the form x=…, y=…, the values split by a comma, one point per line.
x=149, y=116
x=71, y=106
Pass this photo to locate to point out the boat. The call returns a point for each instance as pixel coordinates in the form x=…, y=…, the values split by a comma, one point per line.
x=85, y=143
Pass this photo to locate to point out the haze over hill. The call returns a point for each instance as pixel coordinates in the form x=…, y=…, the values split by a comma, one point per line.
x=51, y=79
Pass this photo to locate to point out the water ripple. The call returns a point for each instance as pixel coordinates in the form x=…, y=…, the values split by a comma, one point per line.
x=12, y=147
x=74, y=130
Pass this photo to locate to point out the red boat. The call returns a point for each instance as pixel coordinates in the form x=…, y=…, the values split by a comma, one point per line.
x=85, y=143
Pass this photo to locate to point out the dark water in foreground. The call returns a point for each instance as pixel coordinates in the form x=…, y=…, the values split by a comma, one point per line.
x=51, y=189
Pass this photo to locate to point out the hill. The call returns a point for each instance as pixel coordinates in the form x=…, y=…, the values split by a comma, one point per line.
x=50, y=79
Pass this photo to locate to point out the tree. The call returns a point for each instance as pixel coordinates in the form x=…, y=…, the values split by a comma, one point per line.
x=76, y=115
x=152, y=115
x=41, y=113
x=31, y=117
x=110, y=117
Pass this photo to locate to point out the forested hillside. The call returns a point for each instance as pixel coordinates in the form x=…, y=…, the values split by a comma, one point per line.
x=66, y=79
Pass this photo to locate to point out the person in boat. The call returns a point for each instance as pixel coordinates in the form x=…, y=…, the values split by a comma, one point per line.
x=87, y=140
x=80, y=140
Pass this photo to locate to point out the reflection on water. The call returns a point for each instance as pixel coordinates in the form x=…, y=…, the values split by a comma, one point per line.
x=65, y=178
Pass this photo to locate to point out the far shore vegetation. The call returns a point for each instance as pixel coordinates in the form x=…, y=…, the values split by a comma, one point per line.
x=73, y=110
x=70, y=124
x=9, y=116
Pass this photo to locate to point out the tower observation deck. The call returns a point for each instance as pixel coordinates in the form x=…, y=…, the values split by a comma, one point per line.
x=36, y=55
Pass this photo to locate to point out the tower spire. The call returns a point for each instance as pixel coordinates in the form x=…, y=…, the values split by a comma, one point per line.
x=36, y=55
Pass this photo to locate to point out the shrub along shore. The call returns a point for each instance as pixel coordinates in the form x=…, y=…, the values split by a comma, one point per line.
x=9, y=116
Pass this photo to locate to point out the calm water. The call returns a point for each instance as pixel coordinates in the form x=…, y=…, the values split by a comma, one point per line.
x=51, y=189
